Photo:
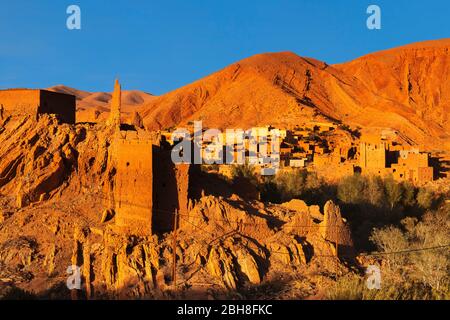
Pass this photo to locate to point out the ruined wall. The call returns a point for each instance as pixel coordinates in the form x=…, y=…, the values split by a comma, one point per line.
x=415, y=175
x=33, y=102
x=148, y=187
x=133, y=187
x=372, y=155
x=425, y=174
x=114, y=115
x=401, y=173
x=414, y=160
x=20, y=101
x=63, y=105
x=414, y=167
x=170, y=190
x=325, y=160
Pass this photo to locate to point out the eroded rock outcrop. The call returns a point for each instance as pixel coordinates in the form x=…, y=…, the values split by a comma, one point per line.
x=53, y=187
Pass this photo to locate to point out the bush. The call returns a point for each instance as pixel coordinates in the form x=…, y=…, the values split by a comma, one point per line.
x=353, y=287
x=15, y=293
x=429, y=265
x=245, y=171
x=291, y=184
x=298, y=183
x=374, y=191
x=393, y=191
x=425, y=198
x=349, y=287
x=269, y=192
x=385, y=195
x=373, y=202
x=391, y=239
x=209, y=167
x=351, y=189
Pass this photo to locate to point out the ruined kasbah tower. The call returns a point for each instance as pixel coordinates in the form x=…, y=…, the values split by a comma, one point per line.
x=147, y=189
x=114, y=117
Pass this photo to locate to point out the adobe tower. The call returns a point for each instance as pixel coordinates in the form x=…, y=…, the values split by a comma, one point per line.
x=114, y=116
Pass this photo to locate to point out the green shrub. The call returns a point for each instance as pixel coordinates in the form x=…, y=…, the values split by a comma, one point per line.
x=298, y=183
x=349, y=287
x=393, y=191
x=245, y=171
x=384, y=194
x=351, y=189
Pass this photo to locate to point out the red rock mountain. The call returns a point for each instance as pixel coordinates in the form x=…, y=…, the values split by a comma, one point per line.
x=405, y=89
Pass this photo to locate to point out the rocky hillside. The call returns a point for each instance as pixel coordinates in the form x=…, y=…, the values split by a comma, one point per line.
x=416, y=76
x=54, y=214
x=405, y=89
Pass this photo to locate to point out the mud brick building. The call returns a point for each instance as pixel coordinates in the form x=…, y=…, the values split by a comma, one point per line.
x=34, y=102
x=148, y=187
x=405, y=165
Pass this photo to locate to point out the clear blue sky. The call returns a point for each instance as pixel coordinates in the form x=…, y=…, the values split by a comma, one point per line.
x=158, y=46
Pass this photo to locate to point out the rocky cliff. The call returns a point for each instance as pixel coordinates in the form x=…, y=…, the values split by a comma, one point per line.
x=54, y=214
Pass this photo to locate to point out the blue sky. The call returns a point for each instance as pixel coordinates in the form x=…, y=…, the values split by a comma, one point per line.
x=158, y=46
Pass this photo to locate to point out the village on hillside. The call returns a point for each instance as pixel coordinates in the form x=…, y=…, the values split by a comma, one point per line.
x=122, y=178
x=333, y=151
x=218, y=159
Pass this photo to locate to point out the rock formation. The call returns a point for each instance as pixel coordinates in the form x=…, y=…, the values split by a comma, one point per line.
x=54, y=178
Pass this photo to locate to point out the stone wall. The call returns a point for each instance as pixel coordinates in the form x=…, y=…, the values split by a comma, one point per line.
x=148, y=187
x=133, y=186
x=425, y=174
x=414, y=167
x=372, y=155
x=63, y=105
x=334, y=229
x=414, y=160
x=33, y=102
x=170, y=190
x=20, y=101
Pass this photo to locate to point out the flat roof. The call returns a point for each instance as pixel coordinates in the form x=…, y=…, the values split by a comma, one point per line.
x=43, y=90
x=19, y=89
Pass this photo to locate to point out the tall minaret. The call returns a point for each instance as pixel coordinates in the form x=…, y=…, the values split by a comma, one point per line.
x=114, y=116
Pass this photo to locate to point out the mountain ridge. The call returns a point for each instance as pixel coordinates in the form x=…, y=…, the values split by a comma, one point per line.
x=284, y=89
x=405, y=89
